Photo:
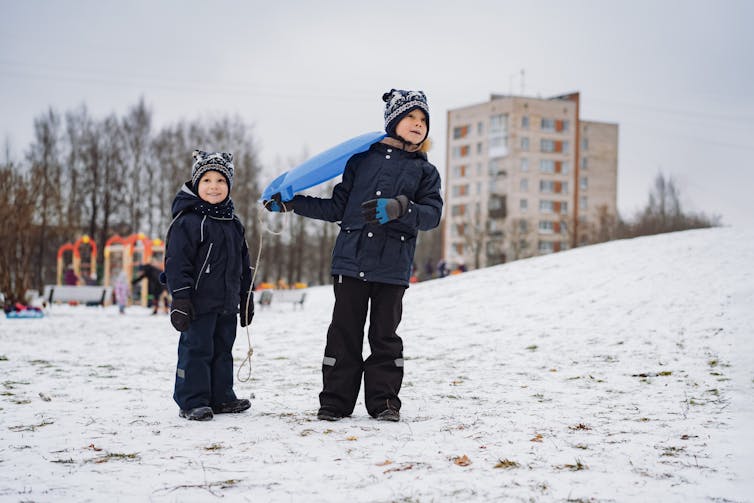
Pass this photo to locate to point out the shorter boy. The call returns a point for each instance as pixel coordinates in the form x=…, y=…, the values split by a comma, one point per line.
x=208, y=275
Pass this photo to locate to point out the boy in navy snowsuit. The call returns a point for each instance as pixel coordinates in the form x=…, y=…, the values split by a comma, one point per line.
x=386, y=196
x=209, y=276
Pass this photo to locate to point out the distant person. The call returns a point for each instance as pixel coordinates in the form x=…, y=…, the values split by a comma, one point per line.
x=121, y=291
x=209, y=276
x=429, y=269
x=69, y=277
x=442, y=268
x=155, y=288
x=462, y=266
x=387, y=195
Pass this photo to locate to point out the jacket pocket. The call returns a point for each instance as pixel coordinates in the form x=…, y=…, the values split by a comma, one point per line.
x=347, y=243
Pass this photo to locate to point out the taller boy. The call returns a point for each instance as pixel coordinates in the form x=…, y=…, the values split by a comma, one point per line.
x=387, y=195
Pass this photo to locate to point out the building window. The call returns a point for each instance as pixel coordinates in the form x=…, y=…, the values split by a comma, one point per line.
x=545, y=227
x=479, y=148
x=460, y=190
x=525, y=122
x=458, y=210
x=478, y=188
x=523, y=205
x=565, y=167
x=561, y=125
x=524, y=164
x=565, y=147
x=459, y=171
x=546, y=186
x=584, y=164
x=460, y=132
x=545, y=247
x=479, y=169
x=525, y=144
x=583, y=183
x=498, y=124
x=548, y=125
x=524, y=185
x=546, y=166
x=458, y=248
x=582, y=203
x=480, y=128
x=564, y=208
x=563, y=188
x=545, y=206
x=461, y=151
x=585, y=144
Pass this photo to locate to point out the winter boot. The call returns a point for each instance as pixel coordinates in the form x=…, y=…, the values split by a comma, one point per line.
x=233, y=407
x=389, y=415
x=328, y=415
x=197, y=414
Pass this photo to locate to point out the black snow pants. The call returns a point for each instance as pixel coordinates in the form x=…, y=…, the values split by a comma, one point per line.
x=204, y=376
x=343, y=365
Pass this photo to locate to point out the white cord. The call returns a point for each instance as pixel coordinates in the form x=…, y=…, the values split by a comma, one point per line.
x=262, y=229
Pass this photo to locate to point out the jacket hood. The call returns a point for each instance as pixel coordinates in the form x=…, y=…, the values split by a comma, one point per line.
x=185, y=198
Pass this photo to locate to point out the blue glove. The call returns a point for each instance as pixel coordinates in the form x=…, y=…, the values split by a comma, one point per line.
x=277, y=205
x=382, y=210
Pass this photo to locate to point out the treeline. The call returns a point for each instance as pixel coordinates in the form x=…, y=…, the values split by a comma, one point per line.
x=118, y=175
x=664, y=213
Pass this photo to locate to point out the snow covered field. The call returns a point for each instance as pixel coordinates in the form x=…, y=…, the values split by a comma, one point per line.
x=616, y=372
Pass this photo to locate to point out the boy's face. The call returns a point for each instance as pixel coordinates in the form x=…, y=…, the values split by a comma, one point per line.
x=212, y=187
x=413, y=127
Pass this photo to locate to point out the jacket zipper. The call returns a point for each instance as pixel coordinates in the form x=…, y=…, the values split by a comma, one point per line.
x=205, y=267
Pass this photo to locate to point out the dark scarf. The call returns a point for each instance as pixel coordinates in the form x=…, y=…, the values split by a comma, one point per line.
x=223, y=210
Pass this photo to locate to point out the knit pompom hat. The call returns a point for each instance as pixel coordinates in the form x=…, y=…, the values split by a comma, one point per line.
x=398, y=103
x=212, y=161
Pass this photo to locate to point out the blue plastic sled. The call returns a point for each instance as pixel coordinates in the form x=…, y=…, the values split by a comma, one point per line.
x=320, y=168
x=25, y=314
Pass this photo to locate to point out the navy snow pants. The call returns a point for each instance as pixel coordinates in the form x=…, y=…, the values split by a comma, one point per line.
x=204, y=376
x=343, y=365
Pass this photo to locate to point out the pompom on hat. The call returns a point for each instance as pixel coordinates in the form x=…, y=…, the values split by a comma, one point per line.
x=221, y=162
x=398, y=103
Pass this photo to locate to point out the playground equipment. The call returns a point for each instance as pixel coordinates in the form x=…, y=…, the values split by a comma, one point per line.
x=76, y=262
x=119, y=253
x=125, y=251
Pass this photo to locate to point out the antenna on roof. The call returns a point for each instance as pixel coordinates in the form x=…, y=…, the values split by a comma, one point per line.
x=522, y=81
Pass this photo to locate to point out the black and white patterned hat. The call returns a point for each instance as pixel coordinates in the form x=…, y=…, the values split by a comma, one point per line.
x=212, y=161
x=398, y=103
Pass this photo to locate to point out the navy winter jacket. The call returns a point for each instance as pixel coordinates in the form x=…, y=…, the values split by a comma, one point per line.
x=373, y=252
x=206, y=259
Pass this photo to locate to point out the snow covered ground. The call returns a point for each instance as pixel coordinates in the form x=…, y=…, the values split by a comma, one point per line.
x=617, y=372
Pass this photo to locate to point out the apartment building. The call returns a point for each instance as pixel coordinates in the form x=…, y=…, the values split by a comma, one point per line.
x=526, y=176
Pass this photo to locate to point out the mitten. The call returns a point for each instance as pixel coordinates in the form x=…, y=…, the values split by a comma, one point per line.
x=383, y=210
x=181, y=314
x=276, y=204
x=247, y=312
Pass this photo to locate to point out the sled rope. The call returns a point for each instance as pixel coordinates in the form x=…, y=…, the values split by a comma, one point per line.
x=263, y=227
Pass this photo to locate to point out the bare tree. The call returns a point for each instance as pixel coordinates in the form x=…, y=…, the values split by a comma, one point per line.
x=44, y=159
x=139, y=175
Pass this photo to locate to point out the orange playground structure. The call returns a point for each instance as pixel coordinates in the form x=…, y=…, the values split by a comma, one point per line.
x=120, y=253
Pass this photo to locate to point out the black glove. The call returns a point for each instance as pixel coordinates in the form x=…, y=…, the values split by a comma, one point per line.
x=247, y=312
x=383, y=210
x=181, y=314
x=276, y=204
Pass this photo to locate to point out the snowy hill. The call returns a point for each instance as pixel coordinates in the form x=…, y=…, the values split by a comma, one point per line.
x=617, y=372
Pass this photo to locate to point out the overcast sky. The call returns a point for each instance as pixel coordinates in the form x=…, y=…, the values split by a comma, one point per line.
x=676, y=76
